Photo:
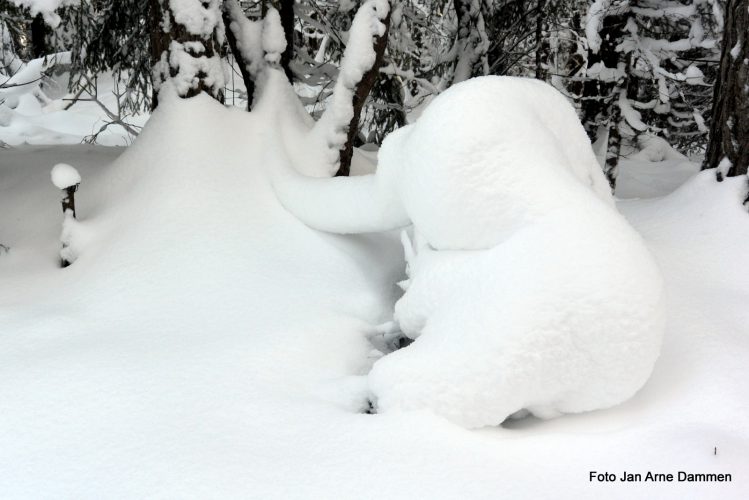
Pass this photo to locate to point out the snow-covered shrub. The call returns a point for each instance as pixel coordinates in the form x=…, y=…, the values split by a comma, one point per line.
x=527, y=289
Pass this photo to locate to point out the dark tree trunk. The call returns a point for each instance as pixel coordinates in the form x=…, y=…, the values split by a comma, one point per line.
x=39, y=32
x=68, y=204
x=468, y=39
x=542, y=43
x=286, y=11
x=613, y=147
x=598, y=97
x=160, y=15
x=360, y=96
x=231, y=38
x=600, y=107
x=729, y=127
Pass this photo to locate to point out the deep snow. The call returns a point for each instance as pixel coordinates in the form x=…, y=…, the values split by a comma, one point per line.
x=208, y=344
x=526, y=289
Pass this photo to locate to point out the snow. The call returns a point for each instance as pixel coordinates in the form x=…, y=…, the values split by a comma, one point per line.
x=64, y=176
x=274, y=40
x=28, y=117
x=45, y=7
x=199, y=17
x=502, y=165
x=358, y=57
x=631, y=115
x=594, y=22
x=694, y=76
x=208, y=344
x=249, y=36
x=468, y=186
x=736, y=50
x=724, y=166
x=185, y=60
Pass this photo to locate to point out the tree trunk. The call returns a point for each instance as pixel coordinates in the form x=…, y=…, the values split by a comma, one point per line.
x=613, y=146
x=469, y=43
x=542, y=43
x=286, y=11
x=729, y=127
x=360, y=96
x=231, y=38
x=172, y=41
x=39, y=31
x=598, y=97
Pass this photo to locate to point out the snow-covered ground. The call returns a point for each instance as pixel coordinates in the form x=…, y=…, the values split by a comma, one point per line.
x=24, y=119
x=206, y=343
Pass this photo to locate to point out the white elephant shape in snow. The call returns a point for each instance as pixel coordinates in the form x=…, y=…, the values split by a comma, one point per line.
x=528, y=290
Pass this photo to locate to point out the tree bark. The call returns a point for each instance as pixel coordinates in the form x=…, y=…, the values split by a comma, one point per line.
x=360, y=96
x=729, y=127
x=542, y=44
x=161, y=18
x=598, y=97
x=68, y=201
x=286, y=11
x=469, y=42
x=231, y=38
x=39, y=32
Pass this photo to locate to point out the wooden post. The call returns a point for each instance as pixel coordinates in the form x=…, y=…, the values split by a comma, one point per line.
x=68, y=200
x=68, y=204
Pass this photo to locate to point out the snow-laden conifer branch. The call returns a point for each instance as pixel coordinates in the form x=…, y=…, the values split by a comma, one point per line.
x=46, y=8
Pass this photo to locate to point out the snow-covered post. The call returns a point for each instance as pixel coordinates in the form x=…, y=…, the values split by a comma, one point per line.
x=67, y=179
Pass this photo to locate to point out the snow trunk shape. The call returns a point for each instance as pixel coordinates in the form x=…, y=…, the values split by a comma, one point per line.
x=462, y=172
x=345, y=205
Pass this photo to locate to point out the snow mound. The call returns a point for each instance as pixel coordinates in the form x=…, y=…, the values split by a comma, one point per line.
x=527, y=289
x=64, y=176
x=562, y=313
x=485, y=158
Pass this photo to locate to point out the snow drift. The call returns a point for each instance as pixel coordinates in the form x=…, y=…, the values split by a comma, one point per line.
x=208, y=344
x=528, y=289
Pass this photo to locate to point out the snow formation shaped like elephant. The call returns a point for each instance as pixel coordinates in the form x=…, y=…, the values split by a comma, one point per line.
x=527, y=289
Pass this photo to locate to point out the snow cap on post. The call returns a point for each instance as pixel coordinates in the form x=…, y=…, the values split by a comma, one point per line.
x=65, y=176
